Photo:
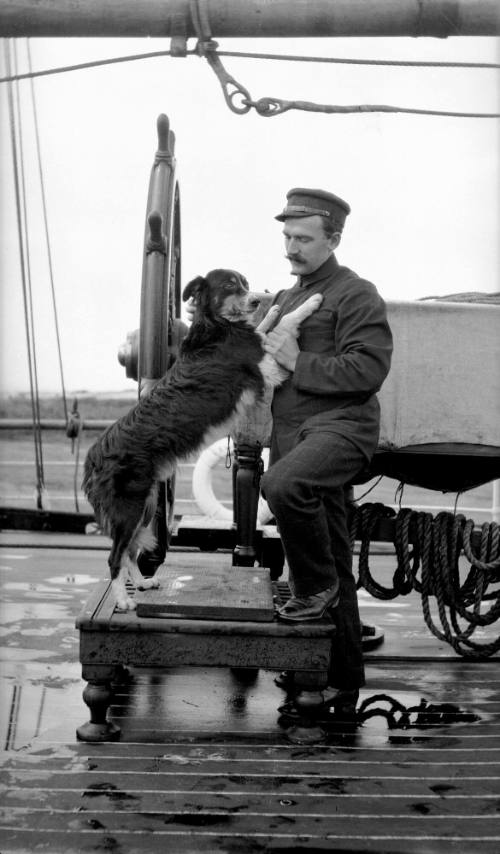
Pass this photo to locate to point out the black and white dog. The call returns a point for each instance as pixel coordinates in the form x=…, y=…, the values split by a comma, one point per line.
x=221, y=371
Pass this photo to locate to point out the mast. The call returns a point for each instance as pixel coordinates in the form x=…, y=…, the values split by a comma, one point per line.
x=250, y=18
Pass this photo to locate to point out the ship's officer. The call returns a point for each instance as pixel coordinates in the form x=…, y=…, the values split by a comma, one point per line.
x=325, y=423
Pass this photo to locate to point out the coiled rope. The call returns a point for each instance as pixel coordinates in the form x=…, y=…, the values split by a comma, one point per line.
x=428, y=550
x=423, y=715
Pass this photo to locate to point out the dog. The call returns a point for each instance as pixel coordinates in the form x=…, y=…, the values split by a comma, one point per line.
x=222, y=369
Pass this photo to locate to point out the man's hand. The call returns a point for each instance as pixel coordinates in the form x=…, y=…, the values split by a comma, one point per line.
x=269, y=320
x=283, y=346
x=189, y=309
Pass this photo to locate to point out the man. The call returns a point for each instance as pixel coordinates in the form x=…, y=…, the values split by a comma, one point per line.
x=325, y=424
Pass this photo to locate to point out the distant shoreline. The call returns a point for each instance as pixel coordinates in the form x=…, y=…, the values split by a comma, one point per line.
x=80, y=393
x=90, y=404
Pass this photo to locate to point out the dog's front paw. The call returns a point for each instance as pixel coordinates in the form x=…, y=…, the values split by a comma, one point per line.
x=147, y=583
x=126, y=605
x=124, y=602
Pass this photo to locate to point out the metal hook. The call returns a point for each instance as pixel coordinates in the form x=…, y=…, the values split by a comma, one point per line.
x=207, y=47
x=230, y=87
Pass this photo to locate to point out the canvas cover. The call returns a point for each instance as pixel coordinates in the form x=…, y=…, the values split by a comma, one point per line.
x=444, y=383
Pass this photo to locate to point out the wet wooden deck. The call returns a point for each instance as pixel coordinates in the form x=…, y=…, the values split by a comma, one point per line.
x=204, y=764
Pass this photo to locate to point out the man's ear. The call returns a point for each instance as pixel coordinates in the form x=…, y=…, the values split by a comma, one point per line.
x=335, y=240
x=194, y=289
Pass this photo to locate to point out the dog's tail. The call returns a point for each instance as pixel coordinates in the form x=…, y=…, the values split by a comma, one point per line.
x=88, y=471
x=89, y=468
x=92, y=486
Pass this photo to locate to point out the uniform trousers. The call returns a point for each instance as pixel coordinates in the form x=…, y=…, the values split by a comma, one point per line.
x=305, y=490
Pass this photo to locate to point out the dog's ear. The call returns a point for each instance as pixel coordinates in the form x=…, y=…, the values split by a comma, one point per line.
x=194, y=289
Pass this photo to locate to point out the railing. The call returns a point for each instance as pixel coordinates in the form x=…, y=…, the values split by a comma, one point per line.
x=53, y=424
x=87, y=425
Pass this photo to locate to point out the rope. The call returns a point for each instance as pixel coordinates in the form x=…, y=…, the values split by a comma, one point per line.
x=64, y=69
x=271, y=106
x=276, y=106
x=399, y=716
x=438, y=544
x=47, y=237
x=367, y=518
x=397, y=63
x=481, y=563
x=14, y=111
x=403, y=63
x=74, y=429
x=375, y=484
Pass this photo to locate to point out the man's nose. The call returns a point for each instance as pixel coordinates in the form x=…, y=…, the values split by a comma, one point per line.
x=292, y=246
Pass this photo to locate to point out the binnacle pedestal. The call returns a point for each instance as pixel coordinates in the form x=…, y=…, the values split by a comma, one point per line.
x=228, y=621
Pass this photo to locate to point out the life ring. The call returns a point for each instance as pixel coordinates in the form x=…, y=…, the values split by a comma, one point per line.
x=203, y=491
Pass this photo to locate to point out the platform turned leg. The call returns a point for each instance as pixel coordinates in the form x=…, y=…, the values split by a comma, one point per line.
x=307, y=700
x=97, y=695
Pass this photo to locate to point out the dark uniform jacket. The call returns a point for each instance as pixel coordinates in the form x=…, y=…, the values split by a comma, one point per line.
x=345, y=355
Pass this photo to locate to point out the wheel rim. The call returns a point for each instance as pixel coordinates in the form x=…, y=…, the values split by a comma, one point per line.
x=161, y=329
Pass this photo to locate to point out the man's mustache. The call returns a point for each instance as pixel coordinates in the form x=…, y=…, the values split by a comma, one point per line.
x=294, y=258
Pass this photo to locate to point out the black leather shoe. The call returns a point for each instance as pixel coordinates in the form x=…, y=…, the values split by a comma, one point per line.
x=339, y=704
x=300, y=609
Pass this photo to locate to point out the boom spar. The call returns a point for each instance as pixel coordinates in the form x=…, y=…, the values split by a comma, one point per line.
x=250, y=18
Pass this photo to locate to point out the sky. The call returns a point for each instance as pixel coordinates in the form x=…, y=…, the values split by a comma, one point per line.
x=424, y=191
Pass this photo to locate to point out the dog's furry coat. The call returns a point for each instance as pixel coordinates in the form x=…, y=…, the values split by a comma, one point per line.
x=222, y=369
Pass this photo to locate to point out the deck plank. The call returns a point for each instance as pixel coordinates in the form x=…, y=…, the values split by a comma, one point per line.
x=269, y=821
x=204, y=764
x=186, y=841
x=131, y=800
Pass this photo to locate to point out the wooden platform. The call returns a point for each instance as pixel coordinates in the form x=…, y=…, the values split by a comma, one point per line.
x=109, y=637
x=218, y=592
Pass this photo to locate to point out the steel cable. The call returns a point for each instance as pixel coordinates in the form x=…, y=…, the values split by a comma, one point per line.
x=272, y=106
x=17, y=156
x=47, y=236
x=234, y=54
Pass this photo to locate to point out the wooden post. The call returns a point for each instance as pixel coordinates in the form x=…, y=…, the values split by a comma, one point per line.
x=98, y=694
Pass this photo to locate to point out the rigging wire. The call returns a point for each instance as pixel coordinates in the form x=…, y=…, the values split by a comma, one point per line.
x=251, y=55
x=47, y=236
x=13, y=105
x=37, y=423
x=207, y=48
x=63, y=69
x=403, y=63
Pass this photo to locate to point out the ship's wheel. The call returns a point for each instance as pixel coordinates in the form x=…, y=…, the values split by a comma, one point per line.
x=161, y=329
